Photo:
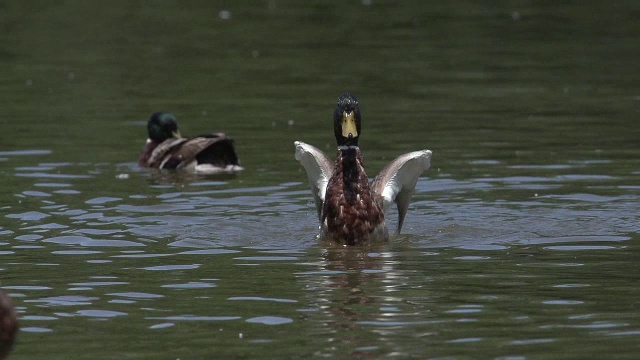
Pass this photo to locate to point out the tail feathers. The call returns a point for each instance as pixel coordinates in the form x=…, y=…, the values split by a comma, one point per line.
x=221, y=153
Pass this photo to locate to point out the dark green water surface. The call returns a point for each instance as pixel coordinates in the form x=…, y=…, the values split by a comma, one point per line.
x=522, y=241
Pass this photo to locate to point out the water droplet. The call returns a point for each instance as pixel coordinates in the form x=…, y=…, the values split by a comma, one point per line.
x=225, y=14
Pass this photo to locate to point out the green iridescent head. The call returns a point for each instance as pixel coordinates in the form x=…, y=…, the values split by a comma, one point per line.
x=162, y=126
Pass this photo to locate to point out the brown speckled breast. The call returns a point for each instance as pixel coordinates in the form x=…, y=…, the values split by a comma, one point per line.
x=148, y=148
x=349, y=211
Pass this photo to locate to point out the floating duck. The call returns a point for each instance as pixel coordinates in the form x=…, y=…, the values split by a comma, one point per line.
x=349, y=209
x=204, y=154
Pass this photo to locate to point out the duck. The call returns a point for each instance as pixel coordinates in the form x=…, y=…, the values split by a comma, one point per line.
x=8, y=325
x=351, y=210
x=167, y=149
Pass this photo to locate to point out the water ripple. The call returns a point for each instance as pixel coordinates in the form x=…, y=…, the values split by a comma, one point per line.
x=36, y=193
x=267, y=258
x=99, y=283
x=26, y=287
x=162, y=326
x=270, y=320
x=25, y=152
x=37, y=318
x=141, y=255
x=65, y=300
x=259, y=298
x=53, y=185
x=194, y=318
x=137, y=295
x=172, y=267
x=579, y=247
x=190, y=285
x=209, y=252
x=76, y=252
x=44, y=175
x=102, y=200
x=531, y=341
x=563, y=302
x=35, y=329
x=29, y=216
x=94, y=313
x=86, y=241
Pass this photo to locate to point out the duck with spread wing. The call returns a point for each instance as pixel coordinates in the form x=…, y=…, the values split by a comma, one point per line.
x=349, y=209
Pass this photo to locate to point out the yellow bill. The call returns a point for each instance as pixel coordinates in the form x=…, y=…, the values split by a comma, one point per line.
x=349, y=129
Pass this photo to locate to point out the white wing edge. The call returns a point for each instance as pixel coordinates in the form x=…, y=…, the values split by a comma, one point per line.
x=396, y=182
x=319, y=169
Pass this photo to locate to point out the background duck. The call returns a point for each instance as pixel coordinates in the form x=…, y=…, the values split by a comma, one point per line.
x=204, y=154
x=349, y=209
x=8, y=325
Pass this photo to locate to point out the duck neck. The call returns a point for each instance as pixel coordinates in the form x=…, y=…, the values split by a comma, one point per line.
x=353, y=175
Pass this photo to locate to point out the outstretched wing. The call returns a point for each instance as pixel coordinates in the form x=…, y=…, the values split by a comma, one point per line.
x=319, y=170
x=397, y=181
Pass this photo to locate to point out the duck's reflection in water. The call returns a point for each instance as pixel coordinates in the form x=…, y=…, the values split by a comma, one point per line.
x=179, y=178
x=350, y=290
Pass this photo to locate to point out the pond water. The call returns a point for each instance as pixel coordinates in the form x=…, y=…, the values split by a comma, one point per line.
x=522, y=240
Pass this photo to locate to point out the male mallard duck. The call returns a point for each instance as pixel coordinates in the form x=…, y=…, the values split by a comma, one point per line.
x=8, y=325
x=350, y=211
x=167, y=149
